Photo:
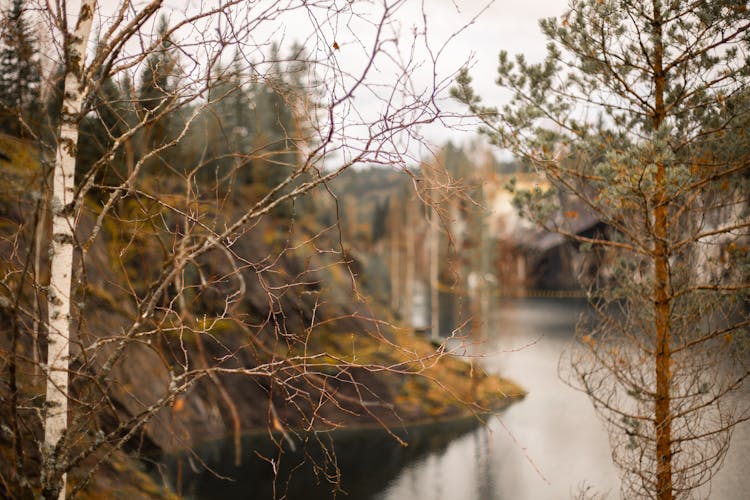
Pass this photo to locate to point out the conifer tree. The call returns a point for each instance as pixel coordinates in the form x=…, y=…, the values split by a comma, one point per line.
x=157, y=88
x=639, y=115
x=274, y=123
x=97, y=132
x=227, y=127
x=19, y=73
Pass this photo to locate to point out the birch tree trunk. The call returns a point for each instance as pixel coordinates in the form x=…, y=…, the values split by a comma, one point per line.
x=61, y=256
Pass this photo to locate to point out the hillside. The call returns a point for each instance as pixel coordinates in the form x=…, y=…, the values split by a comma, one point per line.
x=268, y=333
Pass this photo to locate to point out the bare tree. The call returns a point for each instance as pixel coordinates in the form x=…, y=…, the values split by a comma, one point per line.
x=158, y=199
x=638, y=116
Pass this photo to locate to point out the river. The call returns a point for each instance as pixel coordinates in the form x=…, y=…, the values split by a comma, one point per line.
x=551, y=445
x=546, y=447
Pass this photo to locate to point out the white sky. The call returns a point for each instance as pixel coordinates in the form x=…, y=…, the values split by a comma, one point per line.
x=510, y=25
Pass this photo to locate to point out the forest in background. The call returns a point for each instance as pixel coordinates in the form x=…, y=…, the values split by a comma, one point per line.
x=233, y=238
x=215, y=282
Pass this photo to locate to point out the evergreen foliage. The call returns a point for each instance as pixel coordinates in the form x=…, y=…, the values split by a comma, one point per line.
x=156, y=93
x=247, y=134
x=105, y=121
x=274, y=124
x=19, y=73
x=640, y=111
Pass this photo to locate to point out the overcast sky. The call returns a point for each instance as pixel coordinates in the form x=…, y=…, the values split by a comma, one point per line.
x=510, y=25
x=482, y=28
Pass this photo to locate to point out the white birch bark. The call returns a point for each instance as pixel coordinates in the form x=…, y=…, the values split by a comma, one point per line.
x=61, y=254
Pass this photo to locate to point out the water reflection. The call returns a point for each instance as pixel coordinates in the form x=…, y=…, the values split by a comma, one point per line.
x=367, y=459
x=549, y=446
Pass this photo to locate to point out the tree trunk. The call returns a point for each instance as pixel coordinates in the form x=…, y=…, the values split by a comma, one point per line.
x=663, y=414
x=39, y=240
x=61, y=256
x=408, y=311
x=434, y=278
x=395, y=261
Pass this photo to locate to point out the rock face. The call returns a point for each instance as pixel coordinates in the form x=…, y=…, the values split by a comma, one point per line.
x=264, y=334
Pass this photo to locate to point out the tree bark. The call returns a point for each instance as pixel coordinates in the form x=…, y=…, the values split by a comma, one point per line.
x=434, y=274
x=395, y=261
x=39, y=240
x=408, y=309
x=61, y=256
x=663, y=414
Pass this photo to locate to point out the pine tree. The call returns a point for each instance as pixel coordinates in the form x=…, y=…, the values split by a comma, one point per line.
x=19, y=73
x=227, y=127
x=98, y=129
x=639, y=115
x=275, y=125
x=156, y=90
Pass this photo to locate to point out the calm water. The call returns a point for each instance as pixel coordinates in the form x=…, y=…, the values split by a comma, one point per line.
x=549, y=446
x=545, y=447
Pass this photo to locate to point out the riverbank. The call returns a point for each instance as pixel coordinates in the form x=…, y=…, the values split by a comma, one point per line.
x=269, y=333
x=356, y=460
x=425, y=398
